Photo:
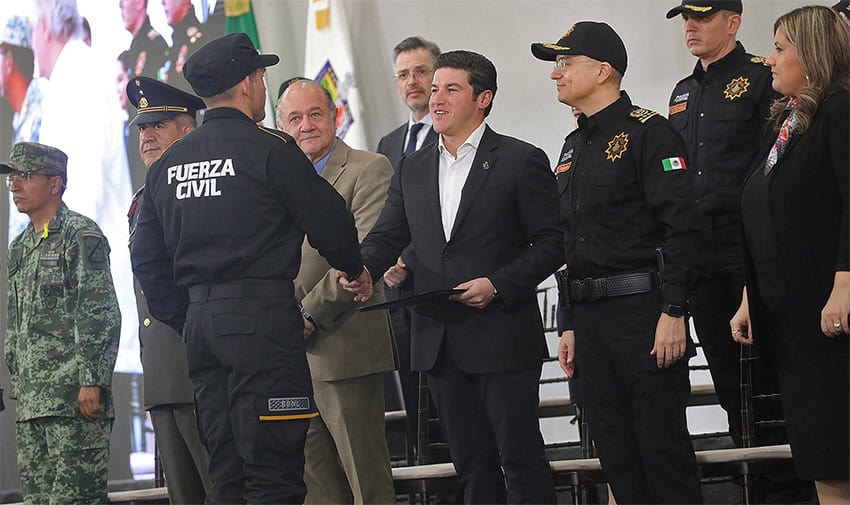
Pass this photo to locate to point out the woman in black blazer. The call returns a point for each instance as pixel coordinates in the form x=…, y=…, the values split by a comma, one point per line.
x=794, y=208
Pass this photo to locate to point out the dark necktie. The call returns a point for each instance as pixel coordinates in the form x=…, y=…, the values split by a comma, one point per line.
x=410, y=148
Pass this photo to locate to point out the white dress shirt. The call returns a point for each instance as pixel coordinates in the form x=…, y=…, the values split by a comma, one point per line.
x=453, y=174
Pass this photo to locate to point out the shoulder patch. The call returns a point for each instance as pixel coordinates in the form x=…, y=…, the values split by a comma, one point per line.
x=642, y=115
x=94, y=250
x=274, y=133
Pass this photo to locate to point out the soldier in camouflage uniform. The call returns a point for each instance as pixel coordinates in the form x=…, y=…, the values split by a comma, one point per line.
x=62, y=336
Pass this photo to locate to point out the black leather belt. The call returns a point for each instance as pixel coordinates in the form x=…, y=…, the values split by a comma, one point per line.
x=246, y=288
x=591, y=290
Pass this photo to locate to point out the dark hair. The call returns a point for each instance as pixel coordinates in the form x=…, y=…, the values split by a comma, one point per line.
x=23, y=58
x=481, y=73
x=414, y=43
x=297, y=80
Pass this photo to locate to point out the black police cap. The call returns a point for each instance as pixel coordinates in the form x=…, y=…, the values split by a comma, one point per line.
x=843, y=7
x=588, y=38
x=157, y=101
x=223, y=62
x=703, y=8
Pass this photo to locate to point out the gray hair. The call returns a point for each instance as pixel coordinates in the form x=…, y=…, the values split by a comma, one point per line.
x=62, y=17
x=414, y=43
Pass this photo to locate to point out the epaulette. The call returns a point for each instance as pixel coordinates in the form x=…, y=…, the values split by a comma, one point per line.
x=275, y=133
x=642, y=115
x=759, y=60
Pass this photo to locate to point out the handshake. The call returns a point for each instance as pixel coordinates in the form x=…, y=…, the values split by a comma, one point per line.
x=361, y=286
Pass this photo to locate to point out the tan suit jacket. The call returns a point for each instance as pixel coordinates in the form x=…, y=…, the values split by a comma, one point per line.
x=347, y=344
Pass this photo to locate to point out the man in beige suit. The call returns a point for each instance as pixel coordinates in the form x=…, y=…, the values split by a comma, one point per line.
x=346, y=453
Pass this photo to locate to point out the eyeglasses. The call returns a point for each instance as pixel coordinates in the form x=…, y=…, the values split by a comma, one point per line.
x=562, y=61
x=417, y=73
x=25, y=176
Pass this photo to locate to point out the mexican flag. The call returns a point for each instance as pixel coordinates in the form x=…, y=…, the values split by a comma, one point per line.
x=239, y=17
x=671, y=164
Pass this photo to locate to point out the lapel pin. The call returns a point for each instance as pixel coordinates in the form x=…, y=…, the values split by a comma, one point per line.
x=486, y=165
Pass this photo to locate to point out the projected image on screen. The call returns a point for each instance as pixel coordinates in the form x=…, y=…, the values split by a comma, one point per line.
x=66, y=64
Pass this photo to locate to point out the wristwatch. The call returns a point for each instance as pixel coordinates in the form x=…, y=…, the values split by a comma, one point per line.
x=673, y=310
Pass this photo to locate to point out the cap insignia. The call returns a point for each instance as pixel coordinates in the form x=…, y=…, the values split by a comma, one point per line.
x=567, y=34
x=556, y=47
x=143, y=103
x=736, y=88
x=697, y=8
x=617, y=146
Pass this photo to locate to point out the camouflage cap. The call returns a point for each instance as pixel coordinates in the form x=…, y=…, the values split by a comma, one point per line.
x=31, y=156
x=17, y=32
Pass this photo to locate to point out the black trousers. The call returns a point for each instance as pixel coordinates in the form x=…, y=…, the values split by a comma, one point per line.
x=635, y=410
x=491, y=424
x=252, y=388
x=712, y=304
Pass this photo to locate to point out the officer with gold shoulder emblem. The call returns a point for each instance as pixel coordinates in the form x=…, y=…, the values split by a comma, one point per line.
x=720, y=110
x=625, y=194
x=165, y=114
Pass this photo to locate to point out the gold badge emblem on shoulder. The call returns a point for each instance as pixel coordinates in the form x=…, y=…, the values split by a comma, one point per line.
x=642, y=115
x=759, y=59
x=143, y=103
x=617, y=146
x=736, y=88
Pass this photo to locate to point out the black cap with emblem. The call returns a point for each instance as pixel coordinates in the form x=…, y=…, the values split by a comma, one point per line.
x=588, y=38
x=156, y=101
x=704, y=8
x=223, y=62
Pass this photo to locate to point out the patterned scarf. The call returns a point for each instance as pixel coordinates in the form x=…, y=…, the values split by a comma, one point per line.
x=789, y=126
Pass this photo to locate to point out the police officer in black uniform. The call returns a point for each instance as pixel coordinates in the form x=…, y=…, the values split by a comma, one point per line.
x=624, y=194
x=164, y=114
x=223, y=218
x=720, y=110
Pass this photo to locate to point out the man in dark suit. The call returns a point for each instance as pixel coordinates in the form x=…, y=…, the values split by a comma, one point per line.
x=482, y=349
x=414, y=59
